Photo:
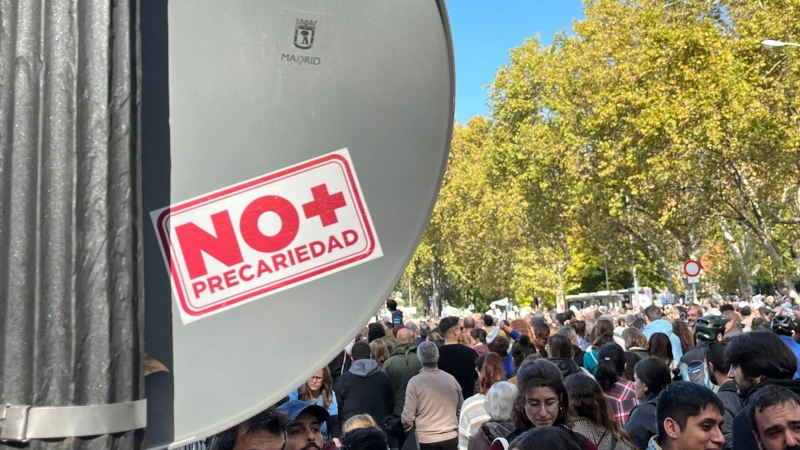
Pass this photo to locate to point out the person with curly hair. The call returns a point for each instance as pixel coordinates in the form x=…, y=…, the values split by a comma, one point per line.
x=522, y=326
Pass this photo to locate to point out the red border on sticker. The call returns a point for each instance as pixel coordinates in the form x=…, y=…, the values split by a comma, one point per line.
x=266, y=179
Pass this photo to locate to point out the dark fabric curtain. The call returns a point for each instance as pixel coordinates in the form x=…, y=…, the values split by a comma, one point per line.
x=71, y=304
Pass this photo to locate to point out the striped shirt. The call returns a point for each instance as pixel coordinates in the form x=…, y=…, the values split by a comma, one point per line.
x=472, y=417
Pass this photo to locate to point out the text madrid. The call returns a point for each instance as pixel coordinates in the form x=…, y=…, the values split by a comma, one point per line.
x=299, y=59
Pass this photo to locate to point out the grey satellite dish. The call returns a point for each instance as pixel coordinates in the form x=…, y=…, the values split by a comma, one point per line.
x=307, y=141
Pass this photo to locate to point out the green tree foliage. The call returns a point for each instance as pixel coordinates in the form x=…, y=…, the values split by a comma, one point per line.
x=653, y=133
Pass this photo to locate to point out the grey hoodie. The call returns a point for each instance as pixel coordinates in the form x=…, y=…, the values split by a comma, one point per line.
x=364, y=367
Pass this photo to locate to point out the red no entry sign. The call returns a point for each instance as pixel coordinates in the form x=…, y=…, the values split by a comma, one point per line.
x=692, y=268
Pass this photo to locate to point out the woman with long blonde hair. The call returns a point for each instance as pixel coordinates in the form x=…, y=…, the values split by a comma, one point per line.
x=318, y=390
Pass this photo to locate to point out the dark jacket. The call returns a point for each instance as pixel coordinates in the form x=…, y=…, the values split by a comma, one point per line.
x=732, y=333
x=567, y=366
x=578, y=358
x=459, y=361
x=641, y=352
x=400, y=367
x=641, y=424
x=364, y=389
x=732, y=405
x=742, y=434
x=488, y=432
x=339, y=365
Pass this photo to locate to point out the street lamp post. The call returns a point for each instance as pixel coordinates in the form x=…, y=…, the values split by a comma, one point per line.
x=770, y=44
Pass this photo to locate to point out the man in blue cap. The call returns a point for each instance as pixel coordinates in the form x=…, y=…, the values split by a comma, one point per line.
x=305, y=422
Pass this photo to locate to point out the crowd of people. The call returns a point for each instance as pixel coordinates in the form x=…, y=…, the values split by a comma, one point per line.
x=696, y=376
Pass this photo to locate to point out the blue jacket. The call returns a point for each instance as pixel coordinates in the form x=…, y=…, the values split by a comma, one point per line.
x=795, y=347
x=397, y=318
x=333, y=410
x=508, y=367
x=663, y=326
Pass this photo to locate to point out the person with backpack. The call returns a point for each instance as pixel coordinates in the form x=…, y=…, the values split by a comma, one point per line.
x=707, y=329
x=401, y=366
x=656, y=323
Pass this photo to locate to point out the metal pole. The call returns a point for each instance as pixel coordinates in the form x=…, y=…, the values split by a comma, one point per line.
x=410, y=302
x=694, y=291
x=433, y=305
x=635, y=277
x=605, y=267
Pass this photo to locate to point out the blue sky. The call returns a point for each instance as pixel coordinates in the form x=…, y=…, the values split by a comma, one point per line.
x=485, y=30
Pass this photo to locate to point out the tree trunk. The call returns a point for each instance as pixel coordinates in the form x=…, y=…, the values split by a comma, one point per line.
x=761, y=229
x=777, y=263
x=561, y=268
x=738, y=257
x=560, y=290
x=796, y=257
